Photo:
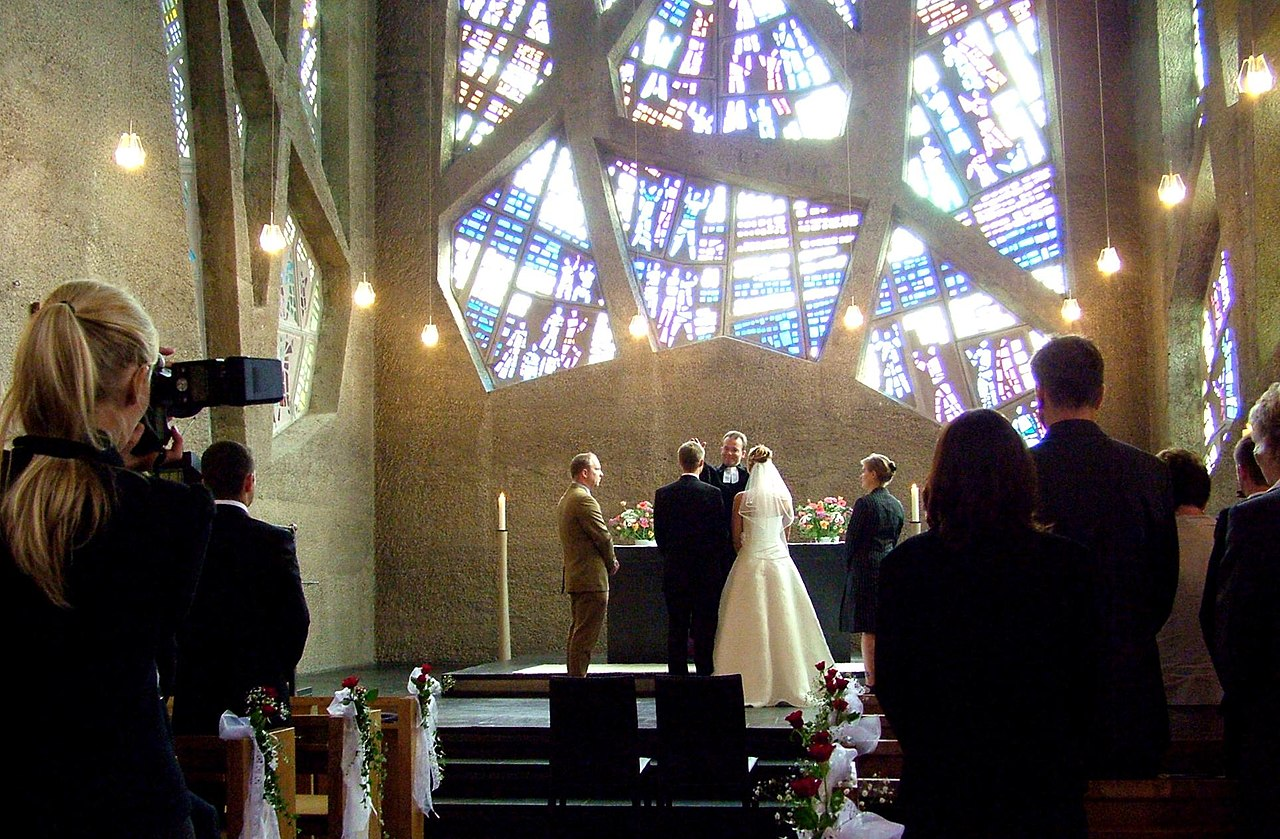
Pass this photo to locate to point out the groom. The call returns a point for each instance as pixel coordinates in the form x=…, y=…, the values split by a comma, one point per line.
x=688, y=523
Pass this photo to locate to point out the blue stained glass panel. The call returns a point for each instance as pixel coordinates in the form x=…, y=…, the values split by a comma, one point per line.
x=961, y=348
x=503, y=56
x=762, y=72
x=771, y=276
x=1221, y=394
x=978, y=128
x=848, y=11
x=524, y=280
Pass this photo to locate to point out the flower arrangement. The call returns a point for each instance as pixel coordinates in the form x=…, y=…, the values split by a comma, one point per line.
x=825, y=519
x=373, y=759
x=424, y=687
x=264, y=707
x=635, y=523
x=822, y=800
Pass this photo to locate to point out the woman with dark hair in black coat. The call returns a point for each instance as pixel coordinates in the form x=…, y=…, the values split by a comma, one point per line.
x=985, y=649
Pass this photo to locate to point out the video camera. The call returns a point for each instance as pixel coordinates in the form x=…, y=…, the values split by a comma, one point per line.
x=185, y=388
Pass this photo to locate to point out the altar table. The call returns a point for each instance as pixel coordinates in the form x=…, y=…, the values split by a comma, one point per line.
x=638, y=613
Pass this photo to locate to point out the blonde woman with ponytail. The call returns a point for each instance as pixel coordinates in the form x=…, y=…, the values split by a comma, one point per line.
x=97, y=566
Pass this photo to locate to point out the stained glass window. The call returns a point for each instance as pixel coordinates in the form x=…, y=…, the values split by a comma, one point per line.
x=978, y=145
x=301, y=309
x=1199, y=53
x=848, y=11
x=1221, y=389
x=712, y=259
x=174, y=39
x=941, y=345
x=523, y=276
x=502, y=56
x=732, y=66
x=309, y=64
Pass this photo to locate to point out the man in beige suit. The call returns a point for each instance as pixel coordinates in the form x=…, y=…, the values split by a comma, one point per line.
x=588, y=559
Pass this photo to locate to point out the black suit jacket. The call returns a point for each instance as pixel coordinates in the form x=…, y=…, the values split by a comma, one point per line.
x=714, y=475
x=1245, y=614
x=248, y=623
x=1116, y=500
x=92, y=737
x=687, y=523
x=1018, y=610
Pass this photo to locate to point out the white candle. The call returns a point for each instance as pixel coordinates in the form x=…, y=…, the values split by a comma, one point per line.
x=502, y=511
x=915, y=503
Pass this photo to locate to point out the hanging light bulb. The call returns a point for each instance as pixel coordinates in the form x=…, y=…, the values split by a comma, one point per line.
x=1255, y=77
x=639, y=326
x=130, y=155
x=1109, y=260
x=853, y=318
x=1071, y=310
x=364, y=294
x=272, y=237
x=1172, y=190
x=430, y=335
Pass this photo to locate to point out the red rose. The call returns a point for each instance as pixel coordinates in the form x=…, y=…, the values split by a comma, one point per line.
x=820, y=666
x=268, y=709
x=796, y=718
x=821, y=751
x=840, y=704
x=426, y=668
x=841, y=684
x=821, y=737
x=350, y=682
x=805, y=787
x=832, y=673
x=270, y=691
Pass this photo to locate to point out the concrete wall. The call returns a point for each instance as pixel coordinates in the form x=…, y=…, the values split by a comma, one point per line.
x=445, y=447
x=72, y=76
x=1228, y=163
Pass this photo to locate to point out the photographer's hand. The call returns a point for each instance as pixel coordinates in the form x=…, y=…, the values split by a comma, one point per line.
x=153, y=461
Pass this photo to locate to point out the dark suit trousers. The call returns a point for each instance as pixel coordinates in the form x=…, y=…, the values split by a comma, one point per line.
x=689, y=612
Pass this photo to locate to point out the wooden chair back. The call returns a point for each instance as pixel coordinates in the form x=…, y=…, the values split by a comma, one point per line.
x=321, y=798
x=218, y=771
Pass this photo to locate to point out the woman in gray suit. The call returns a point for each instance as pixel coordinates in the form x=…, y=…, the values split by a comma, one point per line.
x=875, y=524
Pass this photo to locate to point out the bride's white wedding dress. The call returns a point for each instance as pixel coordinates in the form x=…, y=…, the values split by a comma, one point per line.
x=768, y=630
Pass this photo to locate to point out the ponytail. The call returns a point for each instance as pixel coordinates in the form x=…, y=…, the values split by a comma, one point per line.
x=77, y=349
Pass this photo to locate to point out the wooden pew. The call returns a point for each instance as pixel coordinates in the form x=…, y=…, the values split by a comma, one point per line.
x=402, y=817
x=321, y=796
x=218, y=771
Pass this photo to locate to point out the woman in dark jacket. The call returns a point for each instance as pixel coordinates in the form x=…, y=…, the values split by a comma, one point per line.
x=987, y=638
x=875, y=523
x=97, y=567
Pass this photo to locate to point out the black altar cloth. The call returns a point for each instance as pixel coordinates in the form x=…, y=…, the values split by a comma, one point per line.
x=638, y=614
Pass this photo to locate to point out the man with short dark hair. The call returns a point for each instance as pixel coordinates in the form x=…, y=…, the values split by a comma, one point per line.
x=248, y=622
x=588, y=560
x=1116, y=500
x=1249, y=482
x=687, y=517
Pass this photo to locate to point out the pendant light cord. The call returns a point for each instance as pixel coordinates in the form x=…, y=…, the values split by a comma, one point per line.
x=1102, y=120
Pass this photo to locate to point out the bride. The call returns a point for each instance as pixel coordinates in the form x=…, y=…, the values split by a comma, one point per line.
x=768, y=630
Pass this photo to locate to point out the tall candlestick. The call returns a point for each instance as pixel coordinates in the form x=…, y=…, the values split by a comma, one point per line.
x=504, y=599
x=915, y=503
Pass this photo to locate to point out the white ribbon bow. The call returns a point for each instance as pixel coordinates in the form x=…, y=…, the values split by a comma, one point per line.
x=426, y=766
x=356, y=808
x=260, y=820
